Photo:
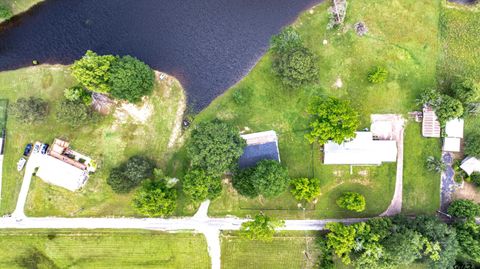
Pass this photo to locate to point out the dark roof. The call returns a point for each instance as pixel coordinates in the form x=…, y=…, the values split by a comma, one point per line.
x=255, y=153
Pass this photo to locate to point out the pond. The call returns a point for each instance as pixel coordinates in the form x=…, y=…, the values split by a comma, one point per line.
x=207, y=44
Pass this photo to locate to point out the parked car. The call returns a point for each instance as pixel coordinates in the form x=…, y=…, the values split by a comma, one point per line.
x=27, y=150
x=44, y=149
x=21, y=163
x=36, y=148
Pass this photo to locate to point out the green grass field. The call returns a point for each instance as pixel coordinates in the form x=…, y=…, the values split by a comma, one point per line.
x=286, y=251
x=405, y=42
x=102, y=249
x=109, y=141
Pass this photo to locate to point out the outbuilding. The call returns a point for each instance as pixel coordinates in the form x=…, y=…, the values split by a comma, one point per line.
x=260, y=146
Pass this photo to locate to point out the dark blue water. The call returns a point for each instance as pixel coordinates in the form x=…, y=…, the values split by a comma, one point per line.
x=207, y=44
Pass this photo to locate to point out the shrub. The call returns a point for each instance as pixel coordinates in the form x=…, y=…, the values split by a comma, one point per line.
x=93, y=71
x=29, y=110
x=448, y=109
x=305, y=188
x=5, y=12
x=352, y=201
x=199, y=186
x=472, y=145
x=287, y=40
x=78, y=93
x=435, y=164
x=260, y=228
x=295, y=67
x=467, y=91
x=74, y=113
x=331, y=119
x=155, y=199
x=241, y=96
x=128, y=175
x=215, y=147
x=268, y=178
x=131, y=79
x=464, y=209
x=475, y=177
x=378, y=75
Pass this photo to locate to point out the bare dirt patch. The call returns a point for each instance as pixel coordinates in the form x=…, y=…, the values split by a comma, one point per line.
x=468, y=191
x=137, y=113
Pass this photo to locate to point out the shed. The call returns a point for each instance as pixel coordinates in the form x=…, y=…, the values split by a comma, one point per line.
x=470, y=165
x=260, y=146
x=430, y=123
x=362, y=150
x=454, y=128
x=451, y=144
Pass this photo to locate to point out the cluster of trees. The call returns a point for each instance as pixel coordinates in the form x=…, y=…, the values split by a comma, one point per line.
x=5, y=12
x=213, y=149
x=125, y=78
x=293, y=63
x=331, y=119
x=460, y=99
x=156, y=197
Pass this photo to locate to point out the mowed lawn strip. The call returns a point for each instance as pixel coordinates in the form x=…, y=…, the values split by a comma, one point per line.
x=102, y=249
x=109, y=141
x=405, y=42
x=285, y=251
x=421, y=188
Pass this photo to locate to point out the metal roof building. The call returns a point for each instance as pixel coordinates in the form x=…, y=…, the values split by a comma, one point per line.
x=362, y=150
x=430, y=123
x=260, y=146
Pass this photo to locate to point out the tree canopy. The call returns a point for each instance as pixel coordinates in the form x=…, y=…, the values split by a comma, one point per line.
x=93, y=71
x=29, y=110
x=467, y=91
x=215, y=147
x=260, y=228
x=472, y=145
x=74, y=113
x=131, y=79
x=464, y=209
x=305, y=188
x=155, y=199
x=331, y=119
x=128, y=175
x=268, y=178
x=78, y=93
x=5, y=12
x=449, y=108
x=199, y=186
x=352, y=201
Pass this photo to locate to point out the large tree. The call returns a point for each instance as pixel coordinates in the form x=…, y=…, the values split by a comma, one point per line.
x=199, y=186
x=260, y=228
x=449, y=108
x=268, y=178
x=29, y=110
x=352, y=201
x=468, y=236
x=215, y=147
x=128, y=175
x=331, y=119
x=155, y=199
x=296, y=67
x=93, y=71
x=130, y=79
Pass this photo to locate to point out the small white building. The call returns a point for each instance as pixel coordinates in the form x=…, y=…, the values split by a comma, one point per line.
x=454, y=134
x=470, y=165
x=362, y=150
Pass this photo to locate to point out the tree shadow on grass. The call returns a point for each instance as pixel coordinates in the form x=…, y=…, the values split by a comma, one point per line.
x=35, y=259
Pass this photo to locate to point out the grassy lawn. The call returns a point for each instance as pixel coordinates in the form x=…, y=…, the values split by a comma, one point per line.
x=288, y=250
x=421, y=188
x=19, y=6
x=109, y=141
x=102, y=249
x=405, y=42
x=3, y=112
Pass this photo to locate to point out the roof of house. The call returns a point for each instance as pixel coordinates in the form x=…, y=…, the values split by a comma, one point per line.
x=260, y=146
x=454, y=128
x=362, y=150
x=430, y=123
x=62, y=174
x=451, y=144
x=470, y=165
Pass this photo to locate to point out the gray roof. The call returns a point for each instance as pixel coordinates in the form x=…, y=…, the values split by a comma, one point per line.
x=257, y=152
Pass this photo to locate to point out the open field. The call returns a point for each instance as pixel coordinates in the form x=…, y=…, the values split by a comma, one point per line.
x=19, y=6
x=405, y=42
x=111, y=140
x=101, y=249
x=421, y=188
x=287, y=250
